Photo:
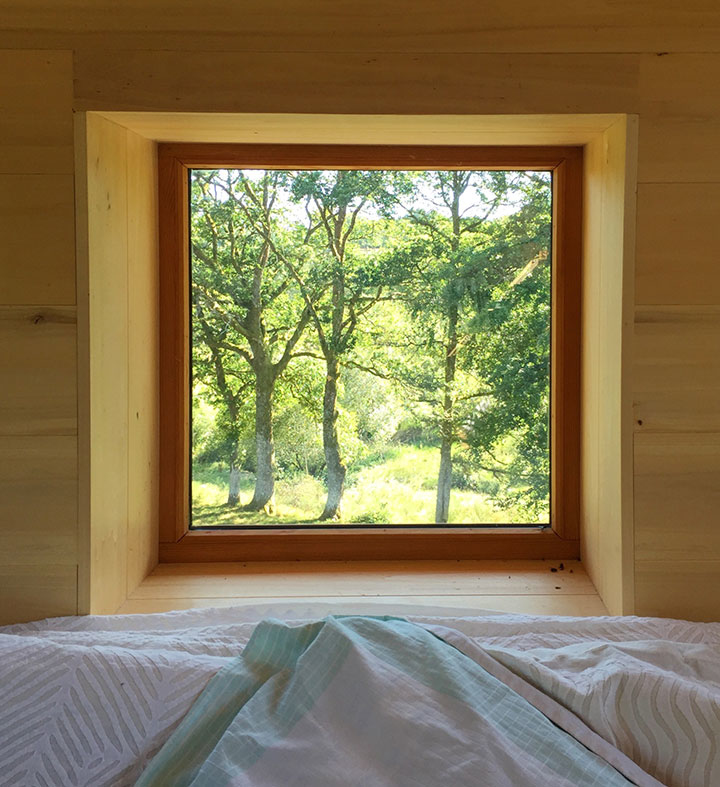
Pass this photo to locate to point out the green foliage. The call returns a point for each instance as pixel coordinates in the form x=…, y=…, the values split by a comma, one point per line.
x=380, y=272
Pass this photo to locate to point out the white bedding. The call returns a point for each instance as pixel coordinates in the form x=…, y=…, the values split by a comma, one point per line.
x=88, y=701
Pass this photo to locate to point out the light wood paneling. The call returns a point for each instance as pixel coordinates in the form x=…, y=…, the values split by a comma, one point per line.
x=36, y=133
x=531, y=587
x=678, y=244
x=677, y=369
x=118, y=345
x=337, y=129
x=606, y=520
x=383, y=83
x=37, y=259
x=359, y=578
x=680, y=86
x=37, y=368
x=686, y=589
x=33, y=592
x=677, y=497
x=142, y=470
x=383, y=58
x=403, y=26
x=108, y=352
x=38, y=490
x=677, y=151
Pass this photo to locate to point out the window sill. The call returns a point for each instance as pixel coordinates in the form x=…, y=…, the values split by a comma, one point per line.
x=370, y=544
x=373, y=587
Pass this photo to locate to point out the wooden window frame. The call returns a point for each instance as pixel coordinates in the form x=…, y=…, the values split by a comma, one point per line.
x=558, y=540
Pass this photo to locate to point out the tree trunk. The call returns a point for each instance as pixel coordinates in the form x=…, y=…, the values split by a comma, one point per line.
x=333, y=461
x=442, y=504
x=264, y=495
x=234, y=490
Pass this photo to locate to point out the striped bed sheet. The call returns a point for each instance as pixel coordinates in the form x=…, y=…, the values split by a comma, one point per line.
x=92, y=700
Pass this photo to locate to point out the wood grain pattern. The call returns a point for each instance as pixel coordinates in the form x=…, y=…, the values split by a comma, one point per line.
x=355, y=83
x=37, y=225
x=389, y=58
x=686, y=589
x=37, y=367
x=279, y=128
x=36, y=85
x=142, y=371
x=108, y=354
x=174, y=357
x=404, y=26
x=678, y=244
x=679, y=151
x=529, y=587
x=379, y=544
x=680, y=86
x=38, y=490
x=676, y=376
x=360, y=578
x=401, y=157
x=677, y=497
x=606, y=520
x=38, y=591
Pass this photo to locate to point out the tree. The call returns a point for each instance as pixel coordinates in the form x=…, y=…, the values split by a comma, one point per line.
x=333, y=203
x=228, y=382
x=514, y=359
x=460, y=261
x=244, y=300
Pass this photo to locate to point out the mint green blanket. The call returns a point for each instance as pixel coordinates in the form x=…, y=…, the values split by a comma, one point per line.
x=369, y=701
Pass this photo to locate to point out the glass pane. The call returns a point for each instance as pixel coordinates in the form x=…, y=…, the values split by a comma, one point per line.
x=370, y=348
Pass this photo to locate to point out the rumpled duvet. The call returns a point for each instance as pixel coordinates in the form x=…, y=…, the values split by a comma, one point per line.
x=91, y=700
x=387, y=703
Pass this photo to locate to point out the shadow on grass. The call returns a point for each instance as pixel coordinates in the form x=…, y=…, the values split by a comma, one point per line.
x=236, y=516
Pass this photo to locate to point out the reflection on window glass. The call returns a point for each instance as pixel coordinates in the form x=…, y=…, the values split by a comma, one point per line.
x=370, y=348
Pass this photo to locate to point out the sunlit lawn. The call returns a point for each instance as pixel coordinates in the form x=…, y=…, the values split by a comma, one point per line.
x=399, y=488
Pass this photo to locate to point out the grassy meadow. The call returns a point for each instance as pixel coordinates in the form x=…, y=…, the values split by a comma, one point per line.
x=395, y=486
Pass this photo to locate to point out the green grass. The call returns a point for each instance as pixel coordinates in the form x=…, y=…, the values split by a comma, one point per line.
x=398, y=487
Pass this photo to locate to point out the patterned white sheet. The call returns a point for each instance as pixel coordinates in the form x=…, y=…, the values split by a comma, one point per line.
x=88, y=701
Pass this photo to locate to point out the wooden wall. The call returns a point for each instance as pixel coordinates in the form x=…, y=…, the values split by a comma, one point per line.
x=660, y=61
x=117, y=340
x=38, y=382
x=607, y=325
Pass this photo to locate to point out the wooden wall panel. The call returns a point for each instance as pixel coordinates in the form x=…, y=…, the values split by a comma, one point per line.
x=677, y=369
x=346, y=129
x=118, y=344
x=678, y=244
x=108, y=353
x=679, y=151
x=37, y=368
x=383, y=83
x=607, y=286
x=677, y=339
x=38, y=395
x=35, y=592
x=142, y=491
x=38, y=490
x=658, y=59
x=373, y=26
x=680, y=86
x=685, y=589
x=36, y=133
x=677, y=497
x=37, y=226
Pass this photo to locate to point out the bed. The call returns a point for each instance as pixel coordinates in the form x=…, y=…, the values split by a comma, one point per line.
x=121, y=700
